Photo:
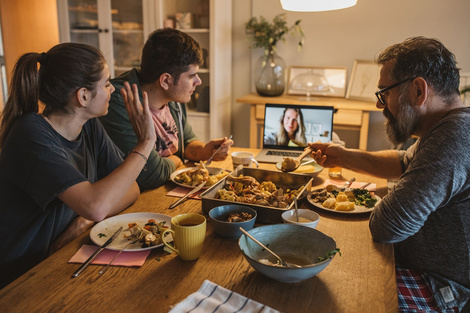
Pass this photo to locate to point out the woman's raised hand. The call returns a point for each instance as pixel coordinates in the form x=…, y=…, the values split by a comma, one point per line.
x=139, y=114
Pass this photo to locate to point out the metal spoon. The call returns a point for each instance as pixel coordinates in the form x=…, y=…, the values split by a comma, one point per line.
x=297, y=160
x=283, y=263
x=296, y=210
x=347, y=184
x=364, y=186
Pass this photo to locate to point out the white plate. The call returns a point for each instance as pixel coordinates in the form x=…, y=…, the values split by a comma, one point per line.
x=110, y=225
x=212, y=171
x=357, y=208
x=311, y=169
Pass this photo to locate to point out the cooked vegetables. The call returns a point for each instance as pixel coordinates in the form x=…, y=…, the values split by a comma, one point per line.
x=334, y=199
x=201, y=174
x=364, y=198
x=247, y=189
x=328, y=255
x=149, y=235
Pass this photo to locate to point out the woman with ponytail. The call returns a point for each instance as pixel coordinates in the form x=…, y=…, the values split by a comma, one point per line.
x=59, y=171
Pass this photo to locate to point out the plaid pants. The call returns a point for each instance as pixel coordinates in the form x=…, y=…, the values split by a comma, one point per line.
x=414, y=293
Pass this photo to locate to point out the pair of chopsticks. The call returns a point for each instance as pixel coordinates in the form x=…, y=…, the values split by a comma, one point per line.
x=181, y=200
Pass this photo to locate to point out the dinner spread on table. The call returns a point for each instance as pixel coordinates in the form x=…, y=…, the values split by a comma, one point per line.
x=259, y=201
x=244, y=187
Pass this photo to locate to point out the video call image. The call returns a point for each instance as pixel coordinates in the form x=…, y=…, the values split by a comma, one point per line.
x=296, y=126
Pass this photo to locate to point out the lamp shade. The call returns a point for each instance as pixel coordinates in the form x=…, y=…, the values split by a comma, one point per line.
x=316, y=5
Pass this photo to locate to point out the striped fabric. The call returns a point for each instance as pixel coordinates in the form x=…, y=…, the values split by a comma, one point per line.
x=212, y=298
x=414, y=293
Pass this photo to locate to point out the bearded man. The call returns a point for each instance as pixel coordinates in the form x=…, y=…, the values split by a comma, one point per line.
x=427, y=214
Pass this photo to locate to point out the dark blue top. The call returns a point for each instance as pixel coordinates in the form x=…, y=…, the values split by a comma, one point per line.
x=37, y=164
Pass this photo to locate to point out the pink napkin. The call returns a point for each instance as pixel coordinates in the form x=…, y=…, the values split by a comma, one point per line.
x=340, y=183
x=126, y=258
x=181, y=192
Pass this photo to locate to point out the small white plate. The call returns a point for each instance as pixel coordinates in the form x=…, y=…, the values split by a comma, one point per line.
x=311, y=169
x=357, y=208
x=212, y=171
x=110, y=225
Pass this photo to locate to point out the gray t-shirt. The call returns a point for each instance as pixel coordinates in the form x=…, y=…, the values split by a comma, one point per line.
x=37, y=164
x=427, y=215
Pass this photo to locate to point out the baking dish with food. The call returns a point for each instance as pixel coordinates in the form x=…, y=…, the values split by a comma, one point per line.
x=266, y=214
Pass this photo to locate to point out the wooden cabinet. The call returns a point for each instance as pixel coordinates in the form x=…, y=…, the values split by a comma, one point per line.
x=119, y=29
x=211, y=25
x=350, y=114
x=116, y=27
x=26, y=26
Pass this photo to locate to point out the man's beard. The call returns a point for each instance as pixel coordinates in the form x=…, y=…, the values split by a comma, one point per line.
x=401, y=128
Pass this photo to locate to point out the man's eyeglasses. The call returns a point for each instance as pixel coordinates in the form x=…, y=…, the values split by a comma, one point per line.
x=380, y=94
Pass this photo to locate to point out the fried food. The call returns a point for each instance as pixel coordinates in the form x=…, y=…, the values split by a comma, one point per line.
x=247, y=189
x=288, y=165
x=201, y=174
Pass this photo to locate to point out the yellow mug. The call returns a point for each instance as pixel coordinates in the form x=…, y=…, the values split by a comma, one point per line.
x=189, y=232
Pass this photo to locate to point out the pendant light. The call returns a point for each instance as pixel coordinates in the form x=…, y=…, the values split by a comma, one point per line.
x=316, y=5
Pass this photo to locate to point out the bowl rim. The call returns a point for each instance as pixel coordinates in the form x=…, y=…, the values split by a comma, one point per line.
x=253, y=211
x=284, y=214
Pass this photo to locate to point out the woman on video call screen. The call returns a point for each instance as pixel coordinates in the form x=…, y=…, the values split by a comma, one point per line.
x=291, y=130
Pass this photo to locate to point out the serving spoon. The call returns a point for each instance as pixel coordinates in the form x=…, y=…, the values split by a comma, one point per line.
x=289, y=166
x=281, y=261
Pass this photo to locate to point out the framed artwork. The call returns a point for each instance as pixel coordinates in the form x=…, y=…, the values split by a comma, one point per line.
x=465, y=88
x=317, y=81
x=363, y=81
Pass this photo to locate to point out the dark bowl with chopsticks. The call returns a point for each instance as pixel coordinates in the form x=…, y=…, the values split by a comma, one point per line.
x=227, y=220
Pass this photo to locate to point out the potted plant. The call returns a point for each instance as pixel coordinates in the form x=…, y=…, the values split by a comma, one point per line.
x=270, y=68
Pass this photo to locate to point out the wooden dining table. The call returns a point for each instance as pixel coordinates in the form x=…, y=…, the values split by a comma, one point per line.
x=361, y=279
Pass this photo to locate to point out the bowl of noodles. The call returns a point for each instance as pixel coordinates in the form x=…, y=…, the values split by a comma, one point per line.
x=309, y=248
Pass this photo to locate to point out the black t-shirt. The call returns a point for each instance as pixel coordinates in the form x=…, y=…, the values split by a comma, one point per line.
x=37, y=164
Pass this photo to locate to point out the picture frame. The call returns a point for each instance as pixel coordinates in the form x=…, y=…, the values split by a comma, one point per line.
x=464, y=88
x=331, y=81
x=363, y=81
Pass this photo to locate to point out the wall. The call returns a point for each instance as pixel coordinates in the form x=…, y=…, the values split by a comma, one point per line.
x=27, y=26
x=337, y=38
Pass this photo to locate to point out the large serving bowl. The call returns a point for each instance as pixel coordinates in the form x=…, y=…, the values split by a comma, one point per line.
x=219, y=215
x=293, y=243
x=307, y=217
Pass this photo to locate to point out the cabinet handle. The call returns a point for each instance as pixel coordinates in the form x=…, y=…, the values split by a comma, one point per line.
x=103, y=30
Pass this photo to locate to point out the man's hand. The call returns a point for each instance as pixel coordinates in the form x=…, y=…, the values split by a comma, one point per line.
x=223, y=143
x=326, y=154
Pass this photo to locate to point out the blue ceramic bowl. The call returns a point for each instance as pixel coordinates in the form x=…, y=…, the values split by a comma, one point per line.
x=219, y=215
x=293, y=243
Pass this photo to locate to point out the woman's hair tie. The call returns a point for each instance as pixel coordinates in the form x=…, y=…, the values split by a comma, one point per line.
x=43, y=58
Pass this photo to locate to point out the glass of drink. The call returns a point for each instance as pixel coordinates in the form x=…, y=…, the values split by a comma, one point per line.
x=336, y=172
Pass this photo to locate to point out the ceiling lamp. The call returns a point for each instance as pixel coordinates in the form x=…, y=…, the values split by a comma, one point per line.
x=316, y=5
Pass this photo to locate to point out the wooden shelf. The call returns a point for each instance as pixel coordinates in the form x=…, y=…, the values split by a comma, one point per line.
x=195, y=30
x=90, y=10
